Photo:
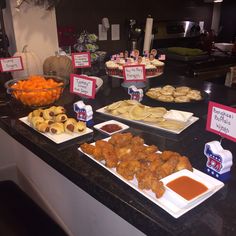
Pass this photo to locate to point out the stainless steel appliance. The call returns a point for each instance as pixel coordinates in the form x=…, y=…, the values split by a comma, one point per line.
x=176, y=29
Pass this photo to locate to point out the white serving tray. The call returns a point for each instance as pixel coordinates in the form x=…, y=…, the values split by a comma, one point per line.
x=99, y=126
x=58, y=138
x=167, y=201
x=192, y=120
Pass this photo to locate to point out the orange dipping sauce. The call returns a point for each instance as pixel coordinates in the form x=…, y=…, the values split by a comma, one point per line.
x=187, y=187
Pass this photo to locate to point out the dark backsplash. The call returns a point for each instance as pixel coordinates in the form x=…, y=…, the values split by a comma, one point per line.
x=86, y=15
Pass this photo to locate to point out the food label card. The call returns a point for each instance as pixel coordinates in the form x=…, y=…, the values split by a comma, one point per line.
x=222, y=120
x=11, y=64
x=81, y=59
x=134, y=73
x=83, y=85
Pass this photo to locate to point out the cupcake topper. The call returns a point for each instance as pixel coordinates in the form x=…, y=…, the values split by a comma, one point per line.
x=126, y=54
x=146, y=53
x=135, y=94
x=154, y=52
x=84, y=112
x=140, y=59
x=151, y=57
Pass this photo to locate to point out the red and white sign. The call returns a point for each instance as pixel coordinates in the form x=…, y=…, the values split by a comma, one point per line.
x=81, y=59
x=134, y=73
x=83, y=85
x=11, y=64
x=221, y=120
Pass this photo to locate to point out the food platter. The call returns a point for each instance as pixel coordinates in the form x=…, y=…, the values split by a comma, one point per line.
x=58, y=138
x=167, y=201
x=192, y=120
x=170, y=97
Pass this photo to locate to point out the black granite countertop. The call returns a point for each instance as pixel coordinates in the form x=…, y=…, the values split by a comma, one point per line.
x=215, y=216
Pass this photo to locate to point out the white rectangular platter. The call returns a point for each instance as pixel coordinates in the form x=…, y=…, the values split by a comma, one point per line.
x=192, y=120
x=58, y=138
x=167, y=202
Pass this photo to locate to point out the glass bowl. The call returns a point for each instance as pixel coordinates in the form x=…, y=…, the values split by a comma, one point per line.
x=37, y=90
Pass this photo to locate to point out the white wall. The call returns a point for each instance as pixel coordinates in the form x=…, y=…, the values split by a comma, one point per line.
x=75, y=210
x=33, y=26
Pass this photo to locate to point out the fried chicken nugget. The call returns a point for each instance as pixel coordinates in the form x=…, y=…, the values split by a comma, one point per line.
x=123, y=153
x=158, y=188
x=128, y=169
x=121, y=140
x=183, y=163
x=150, y=149
x=156, y=163
x=144, y=178
x=109, y=155
x=166, y=155
x=169, y=166
x=87, y=148
x=105, y=151
x=153, y=157
x=137, y=141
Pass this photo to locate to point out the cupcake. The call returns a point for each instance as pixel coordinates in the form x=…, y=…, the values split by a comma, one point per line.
x=159, y=65
x=150, y=70
x=120, y=71
x=111, y=68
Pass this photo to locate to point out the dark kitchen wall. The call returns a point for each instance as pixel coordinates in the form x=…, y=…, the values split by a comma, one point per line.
x=86, y=15
x=228, y=22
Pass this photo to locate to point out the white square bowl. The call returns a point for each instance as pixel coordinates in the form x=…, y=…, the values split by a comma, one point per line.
x=178, y=199
x=99, y=126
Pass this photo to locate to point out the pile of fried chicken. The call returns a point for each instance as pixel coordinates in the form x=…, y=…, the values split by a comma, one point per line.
x=132, y=158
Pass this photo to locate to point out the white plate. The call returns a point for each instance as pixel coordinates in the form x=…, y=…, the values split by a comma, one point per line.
x=167, y=202
x=192, y=120
x=58, y=138
x=123, y=126
x=182, y=202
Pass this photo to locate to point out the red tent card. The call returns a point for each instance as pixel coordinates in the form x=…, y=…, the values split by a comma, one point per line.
x=81, y=59
x=134, y=73
x=11, y=64
x=222, y=120
x=83, y=85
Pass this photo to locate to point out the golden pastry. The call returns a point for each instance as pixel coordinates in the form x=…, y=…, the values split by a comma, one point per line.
x=168, y=88
x=194, y=95
x=48, y=114
x=165, y=98
x=183, y=89
x=167, y=92
x=182, y=99
x=38, y=112
x=29, y=117
x=69, y=125
x=42, y=127
x=179, y=93
x=49, y=122
x=35, y=120
x=59, y=110
x=80, y=126
x=60, y=118
x=56, y=128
